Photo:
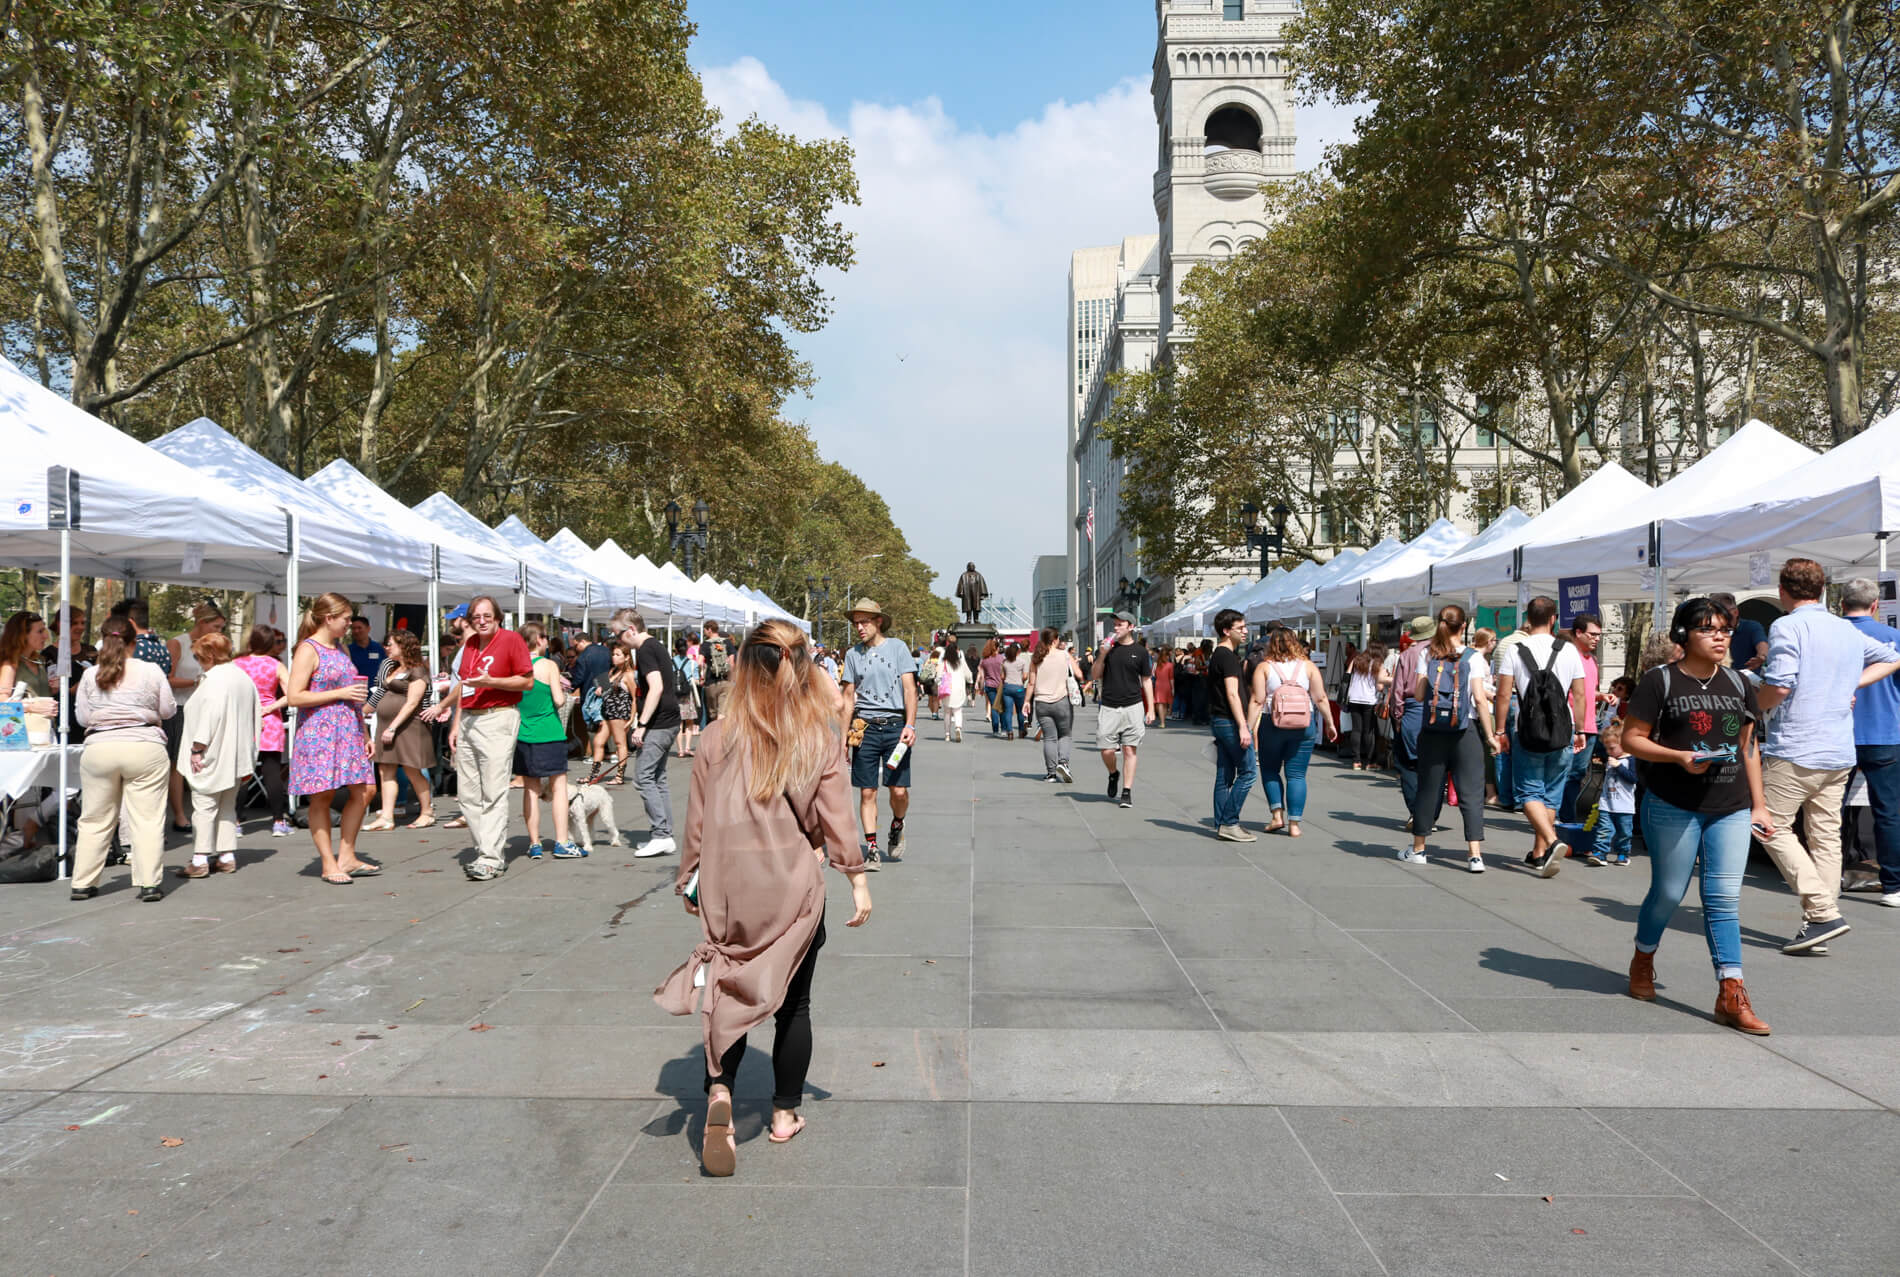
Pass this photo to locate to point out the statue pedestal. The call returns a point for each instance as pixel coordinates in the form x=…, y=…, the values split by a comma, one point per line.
x=971, y=634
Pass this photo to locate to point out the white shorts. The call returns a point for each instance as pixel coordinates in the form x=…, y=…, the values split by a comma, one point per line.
x=1120, y=726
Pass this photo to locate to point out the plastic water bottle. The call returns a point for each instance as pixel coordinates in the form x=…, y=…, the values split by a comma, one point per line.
x=897, y=755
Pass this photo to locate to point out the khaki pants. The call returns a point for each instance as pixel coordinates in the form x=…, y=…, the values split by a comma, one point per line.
x=136, y=772
x=1813, y=871
x=484, y=766
x=716, y=698
x=214, y=826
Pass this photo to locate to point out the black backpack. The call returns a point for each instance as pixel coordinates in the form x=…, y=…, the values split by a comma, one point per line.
x=1543, y=705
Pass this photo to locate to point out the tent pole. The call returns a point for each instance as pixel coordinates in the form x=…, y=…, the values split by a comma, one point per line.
x=1365, y=627
x=66, y=688
x=293, y=613
x=587, y=607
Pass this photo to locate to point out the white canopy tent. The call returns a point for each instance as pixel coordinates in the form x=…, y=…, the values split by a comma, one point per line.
x=1619, y=550
x=1335, y=572
x=1405, y=581
x=334, y=551
x=1169, y=625
x=1435, y=542
x=1490, y=569
x=462, y=566
x=1829, y=510
x=745, y=610
x=601, y=592
x=549, y=581
x=1264, y=603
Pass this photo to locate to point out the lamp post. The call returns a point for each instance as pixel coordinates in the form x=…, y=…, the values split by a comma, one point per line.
x=691, y=541
x=1132, y=593
x=817, y=594
x=1268, y=542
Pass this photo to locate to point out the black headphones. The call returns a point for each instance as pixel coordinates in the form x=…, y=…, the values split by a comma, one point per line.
x=1679, y=625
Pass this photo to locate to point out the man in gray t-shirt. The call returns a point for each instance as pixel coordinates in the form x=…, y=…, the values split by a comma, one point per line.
x=880, y=691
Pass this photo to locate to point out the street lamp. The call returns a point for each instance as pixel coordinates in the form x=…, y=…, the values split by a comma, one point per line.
x=1258, y=538
x=1132, y=593
x=817, y=594
x=694, y=540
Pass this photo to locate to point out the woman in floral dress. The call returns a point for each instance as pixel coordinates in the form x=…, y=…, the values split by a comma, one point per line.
x=330, y=752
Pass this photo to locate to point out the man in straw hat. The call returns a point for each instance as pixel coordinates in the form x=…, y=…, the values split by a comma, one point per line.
x=880, y=707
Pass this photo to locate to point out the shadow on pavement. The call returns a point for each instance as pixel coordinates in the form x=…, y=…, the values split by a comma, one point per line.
x=1557, y=973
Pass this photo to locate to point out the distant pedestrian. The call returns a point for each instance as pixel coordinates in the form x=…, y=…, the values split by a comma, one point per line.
x=1125, y=673
x=768, y=808
x=330, y=753
x=1290, y=696
x=122, y=701
x=1231, y=720
x=656, y=722
x=1455, y=717
x=1544, y=675
x=955, y=680
x=1877, y=740
x=1817, y=665
x=1362, y=702
x=1053, y=685
x=880, y=704
x=492, y=673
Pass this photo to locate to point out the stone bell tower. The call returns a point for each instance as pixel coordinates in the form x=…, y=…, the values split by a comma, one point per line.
x=1224, y=112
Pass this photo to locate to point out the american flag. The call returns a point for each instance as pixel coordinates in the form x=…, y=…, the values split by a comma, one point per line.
x=1091, y=523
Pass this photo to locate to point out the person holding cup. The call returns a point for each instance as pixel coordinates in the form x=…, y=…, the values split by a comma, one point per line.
x=330, y=754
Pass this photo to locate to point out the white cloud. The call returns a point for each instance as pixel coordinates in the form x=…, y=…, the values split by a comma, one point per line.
x=941, y=377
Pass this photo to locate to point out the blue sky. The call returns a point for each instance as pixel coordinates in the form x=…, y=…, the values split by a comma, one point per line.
x=991, y=141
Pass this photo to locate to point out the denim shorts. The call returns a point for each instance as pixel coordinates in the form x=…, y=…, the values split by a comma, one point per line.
x=867, y=760
x=1539, y=778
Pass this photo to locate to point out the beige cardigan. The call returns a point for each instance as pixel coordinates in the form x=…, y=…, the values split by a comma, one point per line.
x=222, y=716
x=761, y=886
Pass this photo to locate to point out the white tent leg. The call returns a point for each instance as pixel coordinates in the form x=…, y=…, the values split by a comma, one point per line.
x=1365, y=628
x=293, y=615
x=65, y=685
x=434, y=627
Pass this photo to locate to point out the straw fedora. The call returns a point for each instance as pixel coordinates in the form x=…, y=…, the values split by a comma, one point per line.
x=867, y=607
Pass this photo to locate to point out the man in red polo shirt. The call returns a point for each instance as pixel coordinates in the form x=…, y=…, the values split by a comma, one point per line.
x=492, y=671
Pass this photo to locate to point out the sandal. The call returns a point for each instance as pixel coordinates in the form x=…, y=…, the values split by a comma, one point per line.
x=421, y=822
x=455, y=822
x=378, y=826
x=338, y=880
x=366, y=869
x=718, y=1151
x=776, y=1138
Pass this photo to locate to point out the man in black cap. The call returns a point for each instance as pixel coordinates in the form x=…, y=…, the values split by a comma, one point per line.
x=1125, y=672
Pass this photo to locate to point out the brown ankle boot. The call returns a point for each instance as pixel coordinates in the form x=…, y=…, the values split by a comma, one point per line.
x=1732, y=1009
x=1643, y=976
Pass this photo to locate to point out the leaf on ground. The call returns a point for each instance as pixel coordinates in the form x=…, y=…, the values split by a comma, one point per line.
x=171, y=1141
x=338, y=1042
x=299, y=950
x=877, y=1064
x=384, y=1148
x=131, y=1212
x=930, y=962
x=279, y=993
x=369, y=1037
x=1579, y=1232
x=480, y=1028
x=135, y=1015
x=412, y=1006
x=1547, y=1199
x=428, y=871
x=316, y=1011
x=72, y=1128
x=322, y=1076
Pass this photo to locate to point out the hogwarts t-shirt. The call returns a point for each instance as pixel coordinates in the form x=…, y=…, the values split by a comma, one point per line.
x=1686, y=713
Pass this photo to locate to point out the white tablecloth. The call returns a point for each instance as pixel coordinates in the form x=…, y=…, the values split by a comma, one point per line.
x=25, y=769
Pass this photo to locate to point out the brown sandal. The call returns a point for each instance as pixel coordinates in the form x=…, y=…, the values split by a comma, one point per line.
x=717, y=1151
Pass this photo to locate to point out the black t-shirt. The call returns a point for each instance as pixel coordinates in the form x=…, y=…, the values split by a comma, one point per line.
x=1685, y=715
x=1223, y=665
x=1122, y=671
x=650, y=658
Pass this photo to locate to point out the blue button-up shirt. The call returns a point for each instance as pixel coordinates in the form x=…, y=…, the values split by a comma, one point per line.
x=1819, y=657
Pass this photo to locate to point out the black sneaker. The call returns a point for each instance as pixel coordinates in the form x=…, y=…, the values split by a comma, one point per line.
x=1128, y=798
x=1815, y=934
x=1052, y=779
x=1114, y=783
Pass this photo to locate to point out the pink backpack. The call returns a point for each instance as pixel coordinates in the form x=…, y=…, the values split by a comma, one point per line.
x=1289, y=705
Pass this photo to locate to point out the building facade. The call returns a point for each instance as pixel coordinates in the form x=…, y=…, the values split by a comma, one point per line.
x=1224, y=123
x=1049, y=592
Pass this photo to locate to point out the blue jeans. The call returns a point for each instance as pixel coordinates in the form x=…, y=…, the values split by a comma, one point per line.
x=1880, y=767
x=1234, y=772
x=1405, y=753
x=1614, y=831
x=1288, y=749
x=1539, y=778
x=994, y=705
x=1677, y=839
x=1012, y=717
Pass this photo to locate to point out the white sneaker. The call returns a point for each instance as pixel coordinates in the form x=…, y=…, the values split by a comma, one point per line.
x=1410, y=857
x=1475, y=865
x=1891, y=900
x=656, y=847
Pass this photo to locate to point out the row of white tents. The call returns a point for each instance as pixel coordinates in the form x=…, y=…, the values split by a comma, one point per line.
x=1713, y=526
x=198, y=507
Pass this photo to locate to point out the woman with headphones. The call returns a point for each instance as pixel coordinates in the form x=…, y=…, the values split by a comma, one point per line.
x=1691, y=728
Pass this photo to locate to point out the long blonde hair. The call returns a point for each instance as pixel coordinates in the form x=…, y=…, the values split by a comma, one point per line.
x=322, y=608
x=780, y=712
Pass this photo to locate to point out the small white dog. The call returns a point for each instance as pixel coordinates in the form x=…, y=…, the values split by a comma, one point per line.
x=587, y=805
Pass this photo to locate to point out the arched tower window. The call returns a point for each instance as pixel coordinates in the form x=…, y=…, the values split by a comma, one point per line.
x=1233, y=128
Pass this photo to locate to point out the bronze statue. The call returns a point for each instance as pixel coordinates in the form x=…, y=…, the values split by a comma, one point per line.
x=971, y=591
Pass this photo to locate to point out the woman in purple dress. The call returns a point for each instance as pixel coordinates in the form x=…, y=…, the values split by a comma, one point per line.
x=330, y=752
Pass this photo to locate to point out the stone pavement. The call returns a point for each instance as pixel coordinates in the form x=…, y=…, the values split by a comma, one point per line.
x=1071, y=1039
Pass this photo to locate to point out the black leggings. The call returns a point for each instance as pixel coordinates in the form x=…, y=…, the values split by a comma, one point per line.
x=270, y=765
x=791, y=1044
x=1365, y=732
x=1462, y=754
